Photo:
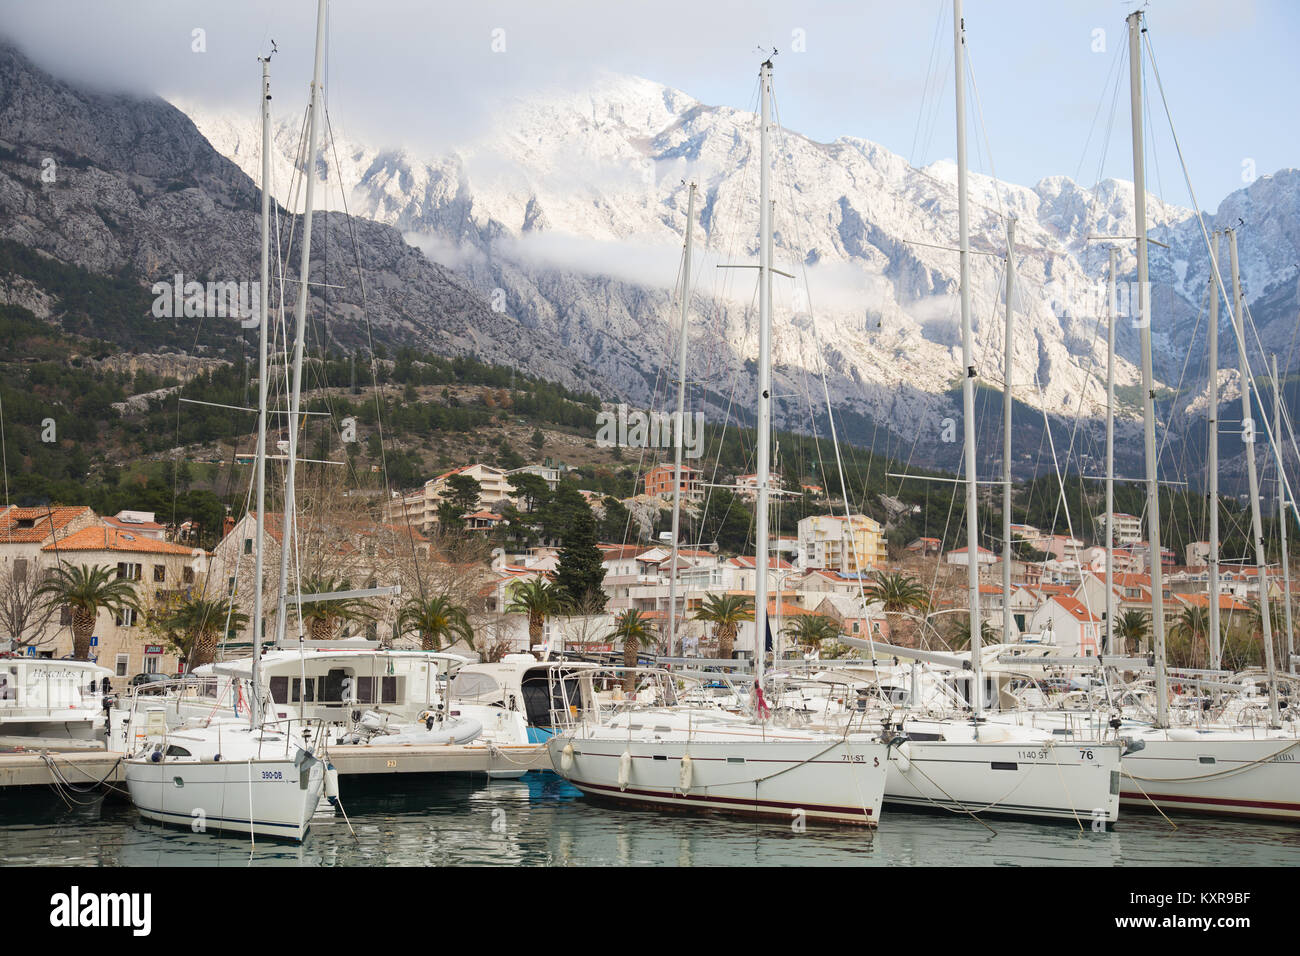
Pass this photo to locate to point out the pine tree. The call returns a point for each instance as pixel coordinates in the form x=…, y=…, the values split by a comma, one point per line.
x=579, y=574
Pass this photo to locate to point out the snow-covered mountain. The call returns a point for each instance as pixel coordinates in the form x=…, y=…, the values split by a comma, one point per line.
x=569, y=215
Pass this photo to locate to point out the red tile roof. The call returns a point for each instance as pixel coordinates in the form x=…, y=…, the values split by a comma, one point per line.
x=115, y=539
x=1076, y=608
x=34, y=525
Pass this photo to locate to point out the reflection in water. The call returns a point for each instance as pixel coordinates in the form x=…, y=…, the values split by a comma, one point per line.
x=541, y=820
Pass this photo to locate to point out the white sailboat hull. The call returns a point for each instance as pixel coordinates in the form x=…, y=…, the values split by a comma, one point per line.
x=1219, y=773
x=267, y=797
x=840, y=781
x=1052, y=781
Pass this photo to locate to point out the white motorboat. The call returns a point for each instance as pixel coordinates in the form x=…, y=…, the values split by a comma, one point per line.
x=52, y=704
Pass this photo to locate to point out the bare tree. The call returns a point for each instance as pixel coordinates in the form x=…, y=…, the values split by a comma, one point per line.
x=25, y=614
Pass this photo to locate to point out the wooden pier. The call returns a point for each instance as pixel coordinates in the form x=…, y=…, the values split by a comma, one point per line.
x=83, y=768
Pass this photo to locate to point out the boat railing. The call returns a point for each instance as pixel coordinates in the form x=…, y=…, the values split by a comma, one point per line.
x=596, y=695
x=310, y=730
x=196, y=702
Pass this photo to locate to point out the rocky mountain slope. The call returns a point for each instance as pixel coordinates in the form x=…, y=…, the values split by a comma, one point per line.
x=574, y=207
x=553, y=241
x=128, y=187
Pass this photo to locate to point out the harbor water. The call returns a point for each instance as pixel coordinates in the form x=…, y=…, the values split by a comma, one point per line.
x=542, y=821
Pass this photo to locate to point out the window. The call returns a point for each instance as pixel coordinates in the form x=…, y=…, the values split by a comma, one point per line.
x=366, y=690
x=65, y=615
x=248, y=546
x=123, y=662
x=311, y=690
x=159, y=573
x=129, y=572
x=152, y=664
x=20, y=569
x=125, y=617
x=187, y=576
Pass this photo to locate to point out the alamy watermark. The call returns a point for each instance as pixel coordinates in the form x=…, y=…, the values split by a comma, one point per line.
x=210, y=300
x=638, y=429
x=1068, y=297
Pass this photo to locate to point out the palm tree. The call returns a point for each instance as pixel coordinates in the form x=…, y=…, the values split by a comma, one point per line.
x=1189, y=637
x=322, y=617
x=636, y=632
x=1276, y=620
x=85, y=591
x=961, y=638
x=898, y=593
x=1133, y=627
x=809, y=630
x=539, y=599
x=725, y=612
x=435, y=618
x=193, y=625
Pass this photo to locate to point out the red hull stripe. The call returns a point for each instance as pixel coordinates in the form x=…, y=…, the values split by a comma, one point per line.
x=731, y=802
x=1215, y=801
x=833, y=763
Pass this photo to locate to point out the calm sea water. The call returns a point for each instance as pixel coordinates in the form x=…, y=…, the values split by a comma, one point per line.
x=542, y=821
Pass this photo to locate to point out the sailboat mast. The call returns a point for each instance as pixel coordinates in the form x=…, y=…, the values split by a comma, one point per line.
x=968, y=364
x=1006, y=434
x=1148, y=376
x=763, y=437
x=1248, y=445
x=1281, y=518
x=1212, y=412
x=681, y=420
x=263, y=312
x=1112, y=306
x=300, y=327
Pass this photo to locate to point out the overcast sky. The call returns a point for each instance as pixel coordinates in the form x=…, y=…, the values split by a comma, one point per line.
x=425, y=74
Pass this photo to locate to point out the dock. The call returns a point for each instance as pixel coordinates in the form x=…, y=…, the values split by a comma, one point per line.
x=83, y=768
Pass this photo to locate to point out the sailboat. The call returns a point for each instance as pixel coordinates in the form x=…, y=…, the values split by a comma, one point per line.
x=1236, y=771
x=1223, y=767
x=649, y=750
x=972, y=763
x=260, y=776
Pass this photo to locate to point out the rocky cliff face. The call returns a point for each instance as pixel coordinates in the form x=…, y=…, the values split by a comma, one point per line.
x=573, y=207
x=551, y=243
x=127, y=186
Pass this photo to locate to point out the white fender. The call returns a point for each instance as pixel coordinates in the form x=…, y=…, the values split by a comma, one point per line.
x=566, y=758
x=624, y=769
x=904, y=756
x=331, y=783
x=684, y=780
